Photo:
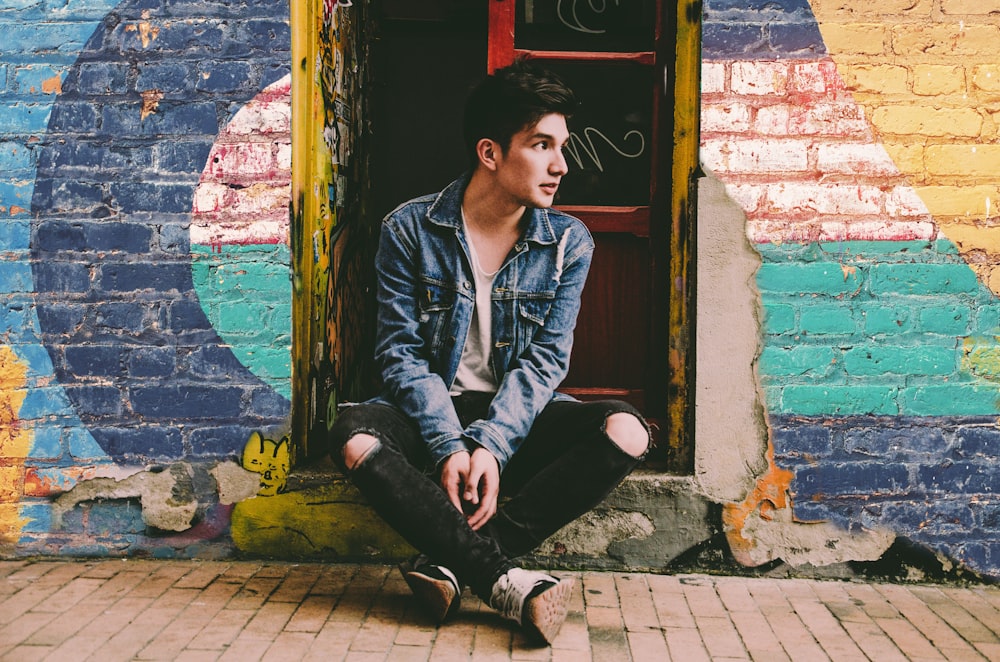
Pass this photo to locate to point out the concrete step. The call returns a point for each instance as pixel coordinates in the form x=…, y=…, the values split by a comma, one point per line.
x=649, y=520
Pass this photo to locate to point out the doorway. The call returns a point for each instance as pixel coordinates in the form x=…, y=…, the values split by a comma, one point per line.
x=633, y=161
x=632, y=156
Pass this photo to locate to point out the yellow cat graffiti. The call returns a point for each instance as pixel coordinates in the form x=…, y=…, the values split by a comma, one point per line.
x=268, y=458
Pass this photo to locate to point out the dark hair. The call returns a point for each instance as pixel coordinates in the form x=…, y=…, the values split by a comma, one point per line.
x=513, y=98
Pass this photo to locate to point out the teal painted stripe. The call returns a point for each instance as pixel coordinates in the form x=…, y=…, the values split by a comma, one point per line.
x=246, y=293
x=877, y=328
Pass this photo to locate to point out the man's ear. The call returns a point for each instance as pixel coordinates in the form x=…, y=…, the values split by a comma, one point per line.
x=487, y=151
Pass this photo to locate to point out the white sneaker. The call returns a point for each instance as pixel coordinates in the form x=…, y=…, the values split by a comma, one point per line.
x=536, y=601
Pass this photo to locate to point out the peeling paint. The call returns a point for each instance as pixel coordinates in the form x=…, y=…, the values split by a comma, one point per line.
x=244, y=191
x=167, y=494
x=147, y=32
x=762, y=528
x=150, y=102
x=769, y=498
x=49, y=482
x=981, y=357
x=52, y=85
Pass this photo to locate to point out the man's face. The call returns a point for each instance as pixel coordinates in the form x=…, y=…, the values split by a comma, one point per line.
x=530, y=170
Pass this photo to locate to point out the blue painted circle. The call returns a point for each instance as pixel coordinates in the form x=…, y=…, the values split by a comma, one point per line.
x=127, y=140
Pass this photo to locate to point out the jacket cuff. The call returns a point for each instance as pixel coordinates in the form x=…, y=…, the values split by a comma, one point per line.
x=483, y=434
x=443, y=447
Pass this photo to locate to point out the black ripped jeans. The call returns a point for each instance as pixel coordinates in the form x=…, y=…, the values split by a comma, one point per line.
x=566, y=465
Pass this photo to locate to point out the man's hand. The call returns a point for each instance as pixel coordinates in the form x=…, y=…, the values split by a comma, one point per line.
x=472, y=482
x=483, y=487
x=454, y=476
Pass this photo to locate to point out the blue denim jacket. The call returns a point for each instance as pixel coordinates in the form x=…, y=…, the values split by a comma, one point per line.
x=425, y=300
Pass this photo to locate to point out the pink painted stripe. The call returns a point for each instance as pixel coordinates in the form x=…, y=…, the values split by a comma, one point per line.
x=796, y=152
x=245, y=188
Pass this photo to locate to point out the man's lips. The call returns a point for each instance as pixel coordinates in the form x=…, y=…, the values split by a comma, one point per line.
x=550, y=188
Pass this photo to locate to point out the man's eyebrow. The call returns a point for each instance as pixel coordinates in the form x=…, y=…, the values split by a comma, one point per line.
x=545, y=136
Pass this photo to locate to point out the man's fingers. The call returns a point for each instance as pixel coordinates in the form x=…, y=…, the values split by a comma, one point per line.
x=488, y=504
x=484, y=480
x=452, y=489
x=472, y=485
x=484, y=513
x=454, y=474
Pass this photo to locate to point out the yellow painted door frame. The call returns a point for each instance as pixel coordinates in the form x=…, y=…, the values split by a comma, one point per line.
x=330, y=234
x=682, y=239
x=311, y=213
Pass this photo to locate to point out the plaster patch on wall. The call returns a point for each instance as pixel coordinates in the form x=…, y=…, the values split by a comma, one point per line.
x=729, y=425
x=169, y=496
x=779, y=536
x=235, y=483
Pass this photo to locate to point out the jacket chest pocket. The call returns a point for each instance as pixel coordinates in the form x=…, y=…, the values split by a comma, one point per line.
x=436, y=310
x=530, y=316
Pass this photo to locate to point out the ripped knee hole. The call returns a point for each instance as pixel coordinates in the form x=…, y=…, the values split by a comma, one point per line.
x=358, y=448
x=628, y=433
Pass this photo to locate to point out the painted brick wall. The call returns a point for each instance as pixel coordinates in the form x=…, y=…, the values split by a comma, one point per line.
x=858, y=138
x=145, y=286
x=118, y=245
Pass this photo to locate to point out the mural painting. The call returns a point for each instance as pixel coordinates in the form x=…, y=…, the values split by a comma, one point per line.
x=153, y=304
x=150, y=273
x=270, y=459
x=856, y=138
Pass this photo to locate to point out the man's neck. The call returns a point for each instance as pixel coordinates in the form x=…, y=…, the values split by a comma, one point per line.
x=487, y=210
x=493, y=223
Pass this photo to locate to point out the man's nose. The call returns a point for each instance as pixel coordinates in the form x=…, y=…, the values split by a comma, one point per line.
x=559, y=166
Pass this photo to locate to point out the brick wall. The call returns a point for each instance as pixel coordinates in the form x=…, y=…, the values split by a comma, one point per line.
x=145, y=290
x=135, y=320
x=861, y=151
x=145, y=293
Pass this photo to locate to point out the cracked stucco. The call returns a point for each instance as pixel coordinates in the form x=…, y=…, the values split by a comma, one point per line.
x=170, y=496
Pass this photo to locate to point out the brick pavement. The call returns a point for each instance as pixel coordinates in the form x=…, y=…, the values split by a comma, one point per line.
x=110, y=610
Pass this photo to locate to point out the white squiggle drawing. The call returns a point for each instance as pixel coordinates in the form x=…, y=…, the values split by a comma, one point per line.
x=573, y=22
x=575, y=144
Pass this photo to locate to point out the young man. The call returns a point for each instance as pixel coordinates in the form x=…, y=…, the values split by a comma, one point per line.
x=478, y=292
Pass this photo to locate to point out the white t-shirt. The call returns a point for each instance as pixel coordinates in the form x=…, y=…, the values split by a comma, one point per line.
x=475, y=369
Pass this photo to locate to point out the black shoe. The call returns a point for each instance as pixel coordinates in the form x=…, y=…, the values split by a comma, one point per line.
x=435, y=586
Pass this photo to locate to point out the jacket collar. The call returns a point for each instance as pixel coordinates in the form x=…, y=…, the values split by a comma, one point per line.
x=446, y=211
